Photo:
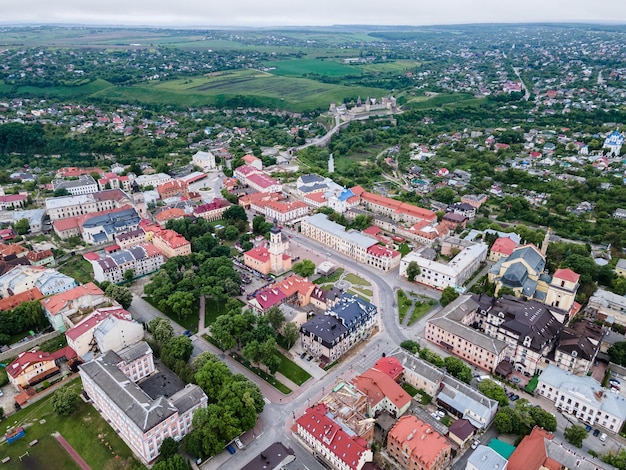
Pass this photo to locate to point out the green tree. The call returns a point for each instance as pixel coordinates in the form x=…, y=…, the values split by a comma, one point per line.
x=304, y=268
x=120, y=294
x=222, y=330
x=179, y=348
x=175, y=462
x=493, y=390
x=161, y=329
x=575, y=435
x=269, y=354
x=64, y=401
x=234, y=213
x=212, y=375
x=448, y=295
x=169, y=448
x=22, y=226
x=412, y=271
x=504, y=421
x=291, y=333
x=252, y=352
x=411, y=346
x=181, y=303
x=617, y=353
x=129, y=275
x=616, y=458
x=276, y=317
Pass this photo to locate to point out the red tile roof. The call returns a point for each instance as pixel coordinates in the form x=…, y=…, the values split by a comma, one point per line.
x=382, y=251
x=55, y=303
x=530, y=454
x=13, y=301
x=269, y=297
x=503, y=245
x=349, y=449
x=423, y=444
x=390, y=366
x=567, y=275
x=258, y=253
x=25, y=359
x=94, y=319
x=378, y=385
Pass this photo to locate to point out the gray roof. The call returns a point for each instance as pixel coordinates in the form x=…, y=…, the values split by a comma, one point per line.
x=321, y=221
x=570, y=458
x=425, y=369
x=134, y=352
x=531, y=256
x=312, y=178
x=621, y=263
x=142, y=410
x=449, y=319
x=188, y=397
x=329, y=329
x=352, y=310
x=584, y=386
x=467, y=401
x=486, y=458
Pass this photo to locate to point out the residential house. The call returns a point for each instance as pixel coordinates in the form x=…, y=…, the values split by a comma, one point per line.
x=142, y=420
x=41, y=258
x=475, y=200
x=578, y=347
x=620, y=267
x=12, y=301
x=485, y=458
x=82, y=299
x=22, y=278
x=415, y=446
x=328, y=440
x=607, y=306
x=131, y=238
x=461, y=432
x=12, y=201
x=465, y=402
x=383, y=393
x=171, y=243
x=33, y=367
x=462, y=208
x=253, y=161
x=324, y=299
x=418, y=373
x=82, y=336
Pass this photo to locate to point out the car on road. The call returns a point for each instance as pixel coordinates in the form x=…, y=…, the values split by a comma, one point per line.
x=1, y=393
x=310, y=358
x=303, y=355
x=238, y=443
x=514, y=397
x=596, y=432
x=476, y=443
x=603, y=437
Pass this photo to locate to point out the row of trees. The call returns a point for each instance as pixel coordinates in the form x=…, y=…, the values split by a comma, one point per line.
x=453, y=365
x=23, y=318
x=523, y=418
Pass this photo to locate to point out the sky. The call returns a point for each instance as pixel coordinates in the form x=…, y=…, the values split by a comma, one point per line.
x=207, y=13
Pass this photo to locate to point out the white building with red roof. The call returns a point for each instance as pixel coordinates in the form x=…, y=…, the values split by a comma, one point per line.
x=82, y=299
x=383, y=393
x=171, y=243
x=327, y=439
x=106, y=329
x=271, y=259
x=253, y=161
x=13, y=201
x=141, y=259
x=212, y=210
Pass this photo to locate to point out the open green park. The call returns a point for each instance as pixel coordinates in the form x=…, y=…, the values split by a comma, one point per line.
x=418, y=306
x=350, y=282
x=90, y=436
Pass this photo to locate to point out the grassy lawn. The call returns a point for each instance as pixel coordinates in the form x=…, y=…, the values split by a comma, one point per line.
x=365, y=292
x=212, y=310
x=404, y=249
x=86, y=431
x=277, y=384
x=356, y=280
x=78, y=268
x=421, y=309
x=334, y=277
x=404, y=304
x=300, y=67
x=190, y=322
x=292, y=371
x=410, y=389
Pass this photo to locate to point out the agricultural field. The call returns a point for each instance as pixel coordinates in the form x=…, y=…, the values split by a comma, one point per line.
x=398, y=66
x=301, y=67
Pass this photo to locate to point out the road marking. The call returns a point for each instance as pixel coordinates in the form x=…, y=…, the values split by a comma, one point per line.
x=266, y=400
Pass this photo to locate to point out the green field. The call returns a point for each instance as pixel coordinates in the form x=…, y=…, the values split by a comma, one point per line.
x=292, y=371
x=396, y=66
x=300, y=67
x=89, y=434
x=78, y=268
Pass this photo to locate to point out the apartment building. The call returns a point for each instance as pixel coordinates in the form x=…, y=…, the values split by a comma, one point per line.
x=171, y=243
x=75, y=206
x=416, y=446
x=142, y=420
x=359, y=247
x=141, y=259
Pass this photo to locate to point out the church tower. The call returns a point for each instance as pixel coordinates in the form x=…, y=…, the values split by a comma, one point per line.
x=139, y=202
x=546, y=242
x=277, y=250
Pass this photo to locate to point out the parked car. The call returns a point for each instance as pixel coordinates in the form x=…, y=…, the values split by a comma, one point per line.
x=603, y=437
x=441, y=413
x=310, y=358
x=187, y=333
x=596, y=432
x=475, y=444
x=303, y=355
x=231, y=450
x=514, y=397
x=238, y=443
x=435, y=415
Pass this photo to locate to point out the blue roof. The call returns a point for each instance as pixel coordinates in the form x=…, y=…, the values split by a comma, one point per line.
x=352, y=311
x=345, y=195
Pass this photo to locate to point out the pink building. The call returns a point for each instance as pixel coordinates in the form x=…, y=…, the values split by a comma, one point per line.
x=141, y=419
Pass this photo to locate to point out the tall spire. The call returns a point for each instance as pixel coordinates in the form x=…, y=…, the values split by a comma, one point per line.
x=546, y=242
